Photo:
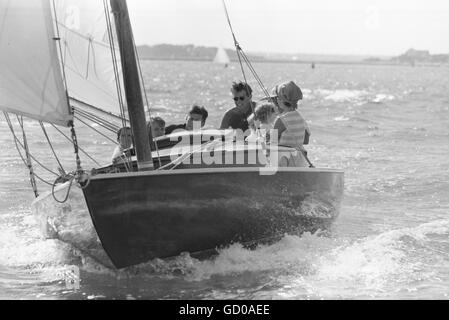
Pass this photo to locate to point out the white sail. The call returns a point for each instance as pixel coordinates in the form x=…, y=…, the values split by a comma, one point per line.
x=31, y=83
x=222, y=57
x=87, y=56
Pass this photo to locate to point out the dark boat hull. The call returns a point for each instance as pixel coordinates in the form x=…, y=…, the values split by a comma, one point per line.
x=141, y=216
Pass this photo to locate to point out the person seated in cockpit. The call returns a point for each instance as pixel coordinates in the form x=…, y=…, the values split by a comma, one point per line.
x=157, y=126
x=196, y=113
x=291, y=127
x=123, y=150
x=262, y=120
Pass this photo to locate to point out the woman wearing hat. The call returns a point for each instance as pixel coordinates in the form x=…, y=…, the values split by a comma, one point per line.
x=291, y=127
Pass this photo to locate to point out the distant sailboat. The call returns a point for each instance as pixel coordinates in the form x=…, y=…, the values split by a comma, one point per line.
x=222, y=57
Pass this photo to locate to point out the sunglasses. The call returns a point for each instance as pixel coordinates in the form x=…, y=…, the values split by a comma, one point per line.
x=237, y=98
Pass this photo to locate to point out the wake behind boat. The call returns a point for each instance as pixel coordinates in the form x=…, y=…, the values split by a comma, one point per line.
x=193, y=195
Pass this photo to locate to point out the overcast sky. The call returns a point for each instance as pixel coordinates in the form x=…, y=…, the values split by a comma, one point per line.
x=382, y=27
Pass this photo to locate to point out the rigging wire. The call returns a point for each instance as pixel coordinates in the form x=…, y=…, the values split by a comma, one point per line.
x=114, y=62
x=97, y=131
x=146, y=97
x=51, y=147
x=241, y=54
x=18, y=142
x=29, y=163
x=85, y=153
x=111, y=39
x=79, y=171
x=62, y=61
x=116, y=71
x=96, y=119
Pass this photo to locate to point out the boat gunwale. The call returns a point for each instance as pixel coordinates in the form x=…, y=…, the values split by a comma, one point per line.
x=212, y=170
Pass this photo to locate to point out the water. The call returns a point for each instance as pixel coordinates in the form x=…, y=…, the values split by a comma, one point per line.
x=386, y=127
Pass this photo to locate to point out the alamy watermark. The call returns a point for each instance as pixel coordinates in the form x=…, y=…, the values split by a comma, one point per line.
x=228, y=147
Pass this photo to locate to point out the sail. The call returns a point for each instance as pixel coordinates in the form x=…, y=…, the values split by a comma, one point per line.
x=31, y=83
x=87, y=55
x=221, y=56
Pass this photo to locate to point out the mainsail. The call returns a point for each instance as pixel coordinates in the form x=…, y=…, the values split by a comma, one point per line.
x=87, y=56
x=221, y=56
x=31, y=83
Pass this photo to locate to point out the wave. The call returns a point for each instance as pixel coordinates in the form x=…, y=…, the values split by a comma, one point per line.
x=347, y=95
x=376, y=266
x=308, y=266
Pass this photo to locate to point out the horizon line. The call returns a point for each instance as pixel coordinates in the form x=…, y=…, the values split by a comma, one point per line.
x=296, y=53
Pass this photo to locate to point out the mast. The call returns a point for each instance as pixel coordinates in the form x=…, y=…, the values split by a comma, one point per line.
x=132, y=85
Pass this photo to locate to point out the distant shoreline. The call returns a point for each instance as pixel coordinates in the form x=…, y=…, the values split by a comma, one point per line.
x=330, y=62
x=412, y=57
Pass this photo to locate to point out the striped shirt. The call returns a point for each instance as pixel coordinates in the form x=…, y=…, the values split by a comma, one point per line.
x=295, y=126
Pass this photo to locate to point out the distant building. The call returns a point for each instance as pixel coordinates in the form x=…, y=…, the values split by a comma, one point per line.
x=413, y=56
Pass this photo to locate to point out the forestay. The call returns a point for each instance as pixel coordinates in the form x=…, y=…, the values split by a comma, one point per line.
x=31, y=83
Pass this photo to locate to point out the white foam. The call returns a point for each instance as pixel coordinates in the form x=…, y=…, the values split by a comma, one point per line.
x=342, y=95
x=341, y=118
x=289, y=252
x=374, y=266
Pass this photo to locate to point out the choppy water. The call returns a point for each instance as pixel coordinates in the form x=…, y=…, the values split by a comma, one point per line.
x=387, y=127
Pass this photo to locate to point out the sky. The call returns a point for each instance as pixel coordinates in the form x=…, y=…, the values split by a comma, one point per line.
x=359, y=27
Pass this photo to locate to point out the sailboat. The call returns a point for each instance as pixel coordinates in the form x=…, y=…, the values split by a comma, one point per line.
x=222, y=57
x=66, y=61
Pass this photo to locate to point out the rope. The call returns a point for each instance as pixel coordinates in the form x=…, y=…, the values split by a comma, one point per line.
x=94, y=118
x=17, y=143
x=62, y=60
x=116, y=71
x=78, y=147
x=304, y=153
x=97, y=131
x=68, y=190
x=146, y=98
x=114, y=61
x=175, y=163
x=28, y=162
x=51, y=146
x=111, y=39
x=184, y=156
x=241, y=54
x=237, y=49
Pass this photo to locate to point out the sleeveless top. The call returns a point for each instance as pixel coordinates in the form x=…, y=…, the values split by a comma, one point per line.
x=295, y=126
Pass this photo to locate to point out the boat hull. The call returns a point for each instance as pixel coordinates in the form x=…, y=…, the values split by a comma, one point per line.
x=141, y=216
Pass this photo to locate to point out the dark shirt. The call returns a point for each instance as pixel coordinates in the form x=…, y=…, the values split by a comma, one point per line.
x=174, y=127
x=236, y=119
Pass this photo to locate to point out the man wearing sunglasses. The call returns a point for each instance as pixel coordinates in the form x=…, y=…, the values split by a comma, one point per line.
x=236, y=118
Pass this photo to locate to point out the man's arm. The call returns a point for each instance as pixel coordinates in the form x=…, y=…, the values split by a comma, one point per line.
x=306, y=134
x=226, y=121
x=173, y=127
x=280, y=127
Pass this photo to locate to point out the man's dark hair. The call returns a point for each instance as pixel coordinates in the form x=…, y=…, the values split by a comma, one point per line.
x=158, y=120
x=242, y=86
x=199, y=110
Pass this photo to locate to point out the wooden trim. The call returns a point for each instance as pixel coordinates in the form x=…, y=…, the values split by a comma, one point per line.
x=207, y=171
